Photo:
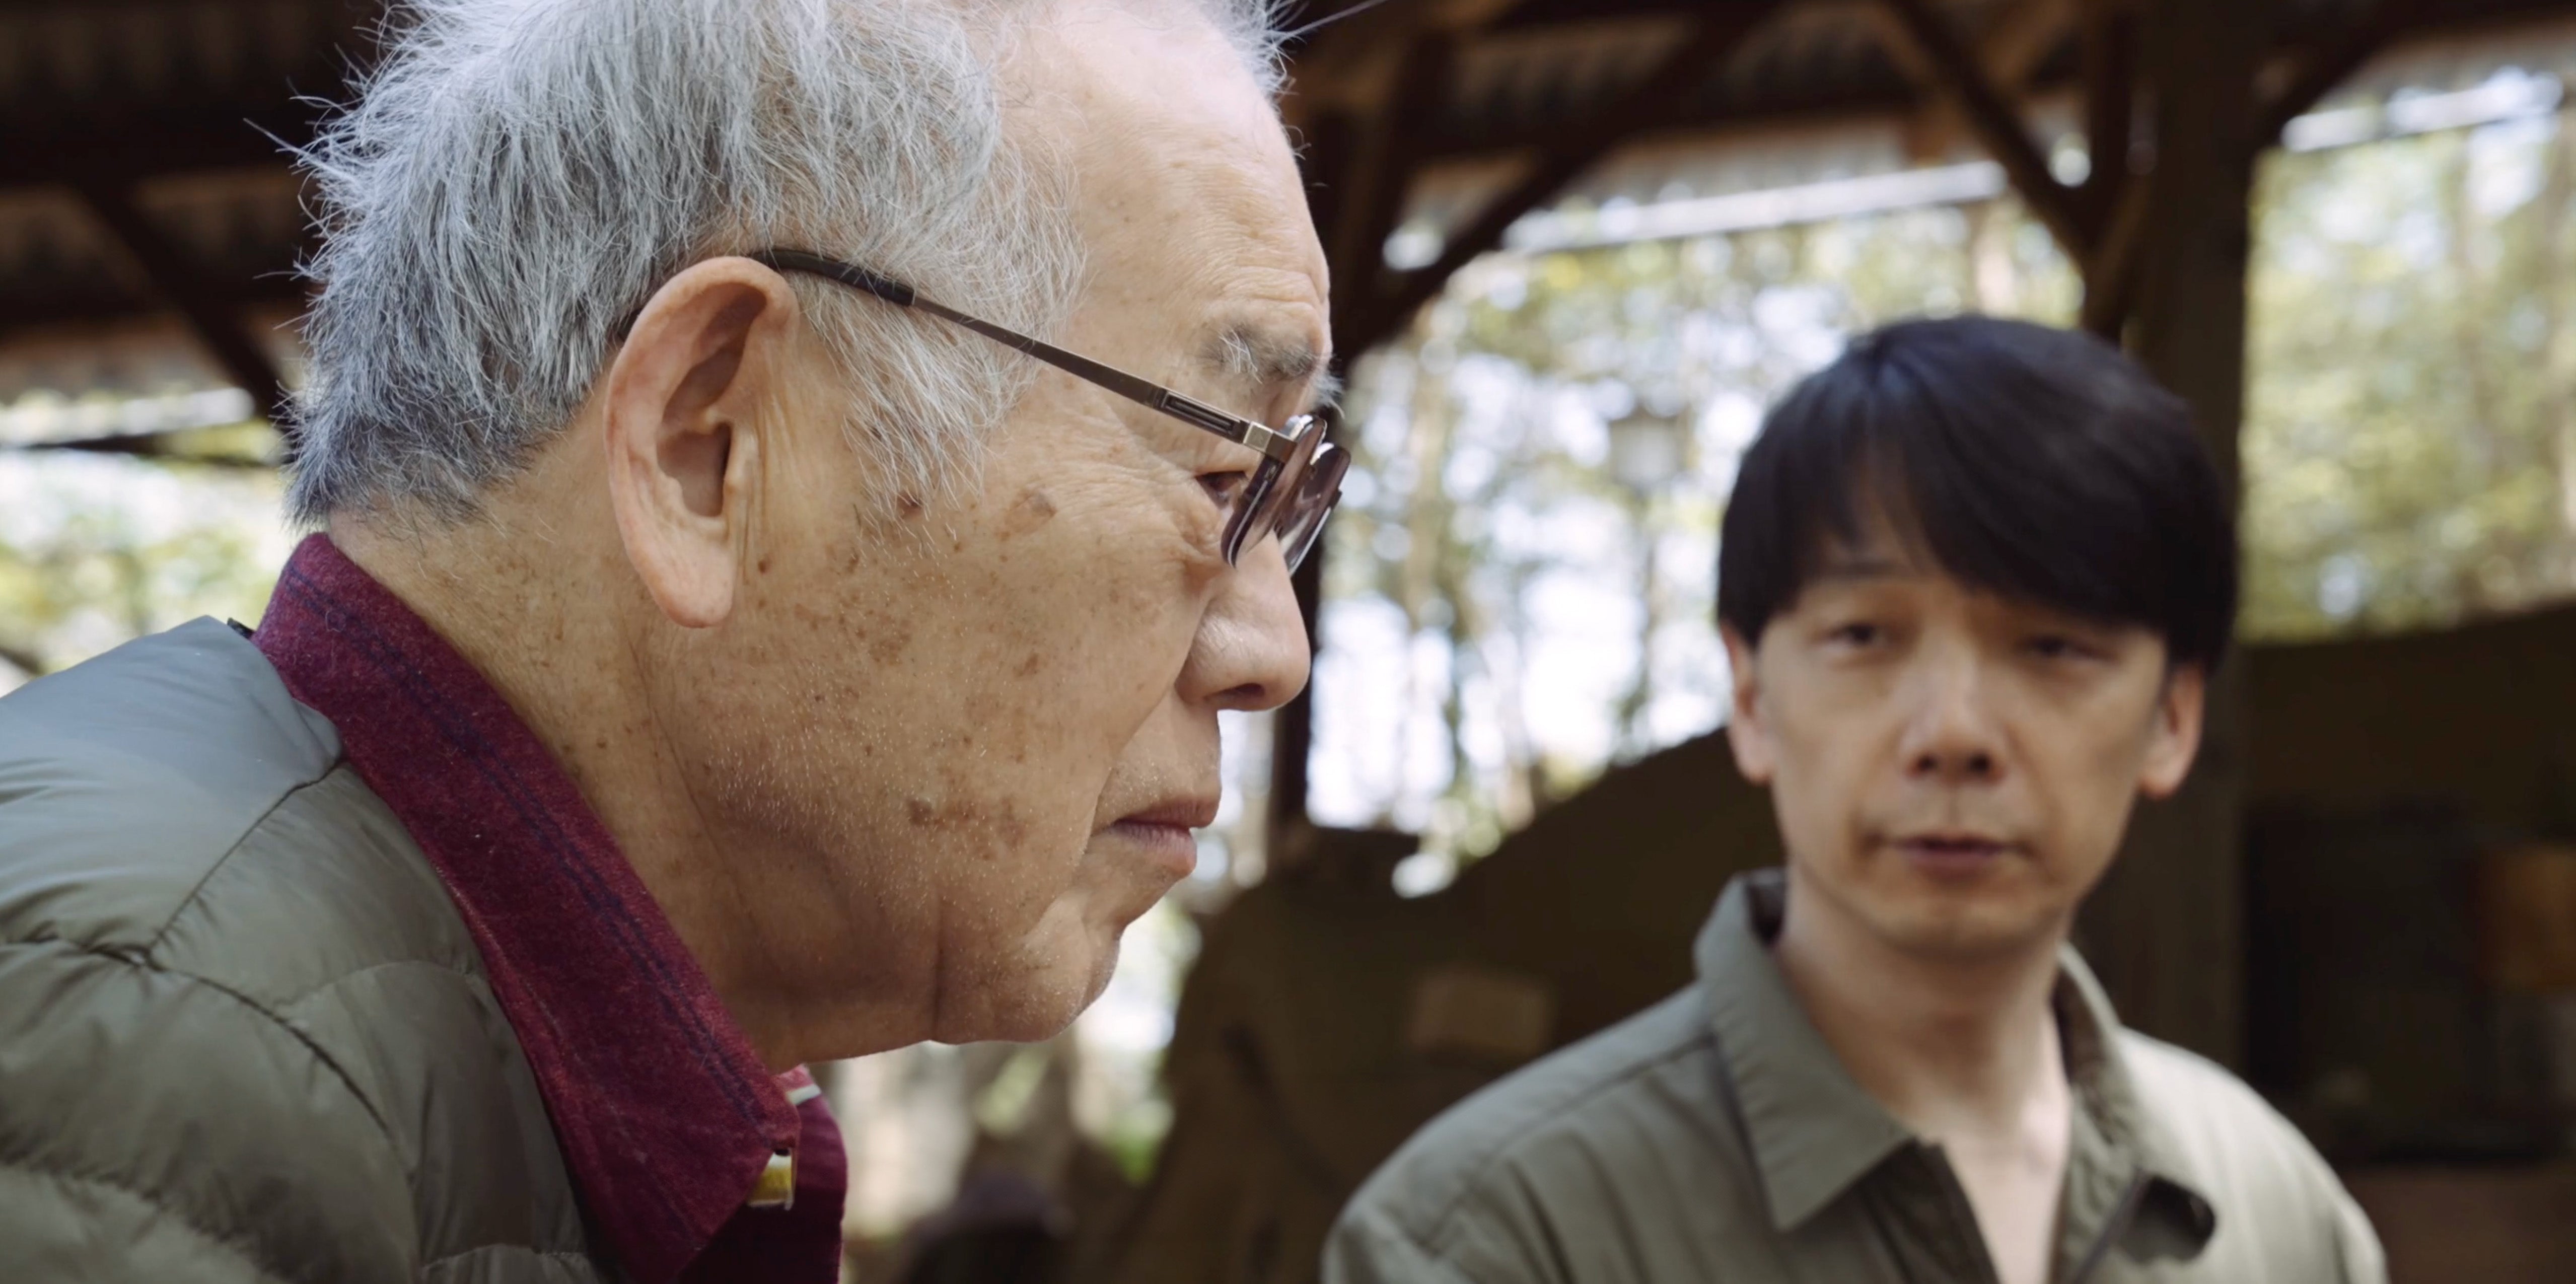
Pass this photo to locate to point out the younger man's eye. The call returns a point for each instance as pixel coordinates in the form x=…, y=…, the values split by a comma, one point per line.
x=2053, y=646
x=1857, y=633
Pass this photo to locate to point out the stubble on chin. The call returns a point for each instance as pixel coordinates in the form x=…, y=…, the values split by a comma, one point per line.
x=1964, y=927
x=1951, y=924
x=1032, y=990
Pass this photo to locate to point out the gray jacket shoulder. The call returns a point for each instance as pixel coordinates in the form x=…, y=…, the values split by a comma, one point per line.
x=1578, y=1136
x=125, y=780
x=171, y=804
x=244, y=1027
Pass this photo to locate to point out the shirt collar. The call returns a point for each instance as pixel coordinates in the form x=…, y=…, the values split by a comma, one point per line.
x=665, y=1115
x=2106, y=1093
x=1814, y=1131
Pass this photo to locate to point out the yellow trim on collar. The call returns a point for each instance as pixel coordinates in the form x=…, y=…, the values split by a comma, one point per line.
x=777, y=1185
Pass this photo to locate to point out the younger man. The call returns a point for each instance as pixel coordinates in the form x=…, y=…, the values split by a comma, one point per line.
x=1975, y=576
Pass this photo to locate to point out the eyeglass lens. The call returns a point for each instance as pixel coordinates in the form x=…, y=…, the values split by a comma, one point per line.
x=1296, y=498
x=1301, y=519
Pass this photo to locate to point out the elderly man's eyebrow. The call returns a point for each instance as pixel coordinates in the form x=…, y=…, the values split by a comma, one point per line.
x=1263, y=359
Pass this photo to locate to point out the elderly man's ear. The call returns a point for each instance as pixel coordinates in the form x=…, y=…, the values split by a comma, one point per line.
x=687, y=403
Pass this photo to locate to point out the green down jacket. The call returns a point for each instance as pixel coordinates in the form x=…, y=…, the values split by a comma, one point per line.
x=244, y=1035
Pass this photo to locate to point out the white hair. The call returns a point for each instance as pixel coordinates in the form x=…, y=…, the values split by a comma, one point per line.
x=517, y=177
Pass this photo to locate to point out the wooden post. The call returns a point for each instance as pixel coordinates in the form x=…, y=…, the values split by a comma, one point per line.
x=2165, y=930
x=1356, y=173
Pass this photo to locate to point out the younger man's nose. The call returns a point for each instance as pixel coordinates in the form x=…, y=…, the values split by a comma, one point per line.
x=1952, y=738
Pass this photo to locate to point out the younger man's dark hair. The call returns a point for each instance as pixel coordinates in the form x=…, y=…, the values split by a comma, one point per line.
x=2035, y=463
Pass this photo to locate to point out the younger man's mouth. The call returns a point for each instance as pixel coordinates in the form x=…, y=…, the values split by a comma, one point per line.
x=1952, y=855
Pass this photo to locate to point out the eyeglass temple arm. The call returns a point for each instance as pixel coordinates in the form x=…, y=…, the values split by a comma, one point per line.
x=1198, y=414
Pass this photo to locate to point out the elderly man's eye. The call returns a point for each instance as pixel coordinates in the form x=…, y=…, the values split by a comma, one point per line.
x=1224, y=487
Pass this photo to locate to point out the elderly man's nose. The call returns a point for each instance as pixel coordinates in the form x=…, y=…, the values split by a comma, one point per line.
x=1251, y=651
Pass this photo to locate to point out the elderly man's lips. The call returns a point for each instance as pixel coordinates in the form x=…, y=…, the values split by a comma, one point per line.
x=1173, y=848
x=1953, y=856
x=1195, y=812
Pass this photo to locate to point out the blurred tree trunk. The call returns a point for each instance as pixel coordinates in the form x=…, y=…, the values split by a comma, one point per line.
x=2165, y=930
x=1466, y=624
x=1525, y=791
x=2471, y=313
x=1426, y=517
x=2555, y=208
x=1994, y=283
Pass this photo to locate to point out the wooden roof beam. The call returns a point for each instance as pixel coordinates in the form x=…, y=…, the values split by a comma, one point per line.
x=141, y=445
x=2108, y=45
x=216, y=322
x=1375, y=175
x=155, y=145
x=1923, y=38
x=2112, y=202
x=25, y=313
x=2011, y=50
x=2333, y=61
x=1659, y=97
x=1356, y=65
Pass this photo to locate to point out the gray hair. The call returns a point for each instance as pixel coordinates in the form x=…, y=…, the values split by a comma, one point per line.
x=517, y=176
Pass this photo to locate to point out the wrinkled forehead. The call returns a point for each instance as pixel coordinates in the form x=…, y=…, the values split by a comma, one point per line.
x=1186, y=193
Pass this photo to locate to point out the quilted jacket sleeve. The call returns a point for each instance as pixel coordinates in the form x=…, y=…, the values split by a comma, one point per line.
x=156, y=1127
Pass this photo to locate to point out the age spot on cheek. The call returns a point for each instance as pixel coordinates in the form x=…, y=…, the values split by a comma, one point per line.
x=1030, y=511
x=1002, y=827
x=886, y=642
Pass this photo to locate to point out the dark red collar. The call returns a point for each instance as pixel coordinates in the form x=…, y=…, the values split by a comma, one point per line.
x=666, y=1116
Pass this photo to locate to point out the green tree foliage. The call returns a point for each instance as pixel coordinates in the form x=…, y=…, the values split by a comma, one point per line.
x=2410, y=441
x=96, y=551
x=2409, y=446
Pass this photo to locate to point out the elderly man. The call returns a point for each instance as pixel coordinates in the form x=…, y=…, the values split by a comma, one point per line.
x=726, y=650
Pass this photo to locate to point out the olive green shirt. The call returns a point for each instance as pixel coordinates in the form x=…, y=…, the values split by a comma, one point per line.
x=1716, y=1137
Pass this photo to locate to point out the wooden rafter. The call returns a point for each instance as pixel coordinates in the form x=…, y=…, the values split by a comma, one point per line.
x=211, y=317
x=1352, y=66
x=2011, y=50
x=1377, y=175
x=2111, y=274
x=2107, y=39
x=1654, y=100
x=157, y=144
x=1997, y=123
x=143, y=445
x=2335, y=61
x=22, y=313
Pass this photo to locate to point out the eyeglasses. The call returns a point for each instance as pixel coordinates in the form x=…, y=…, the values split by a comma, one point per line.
x=1289, y=494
